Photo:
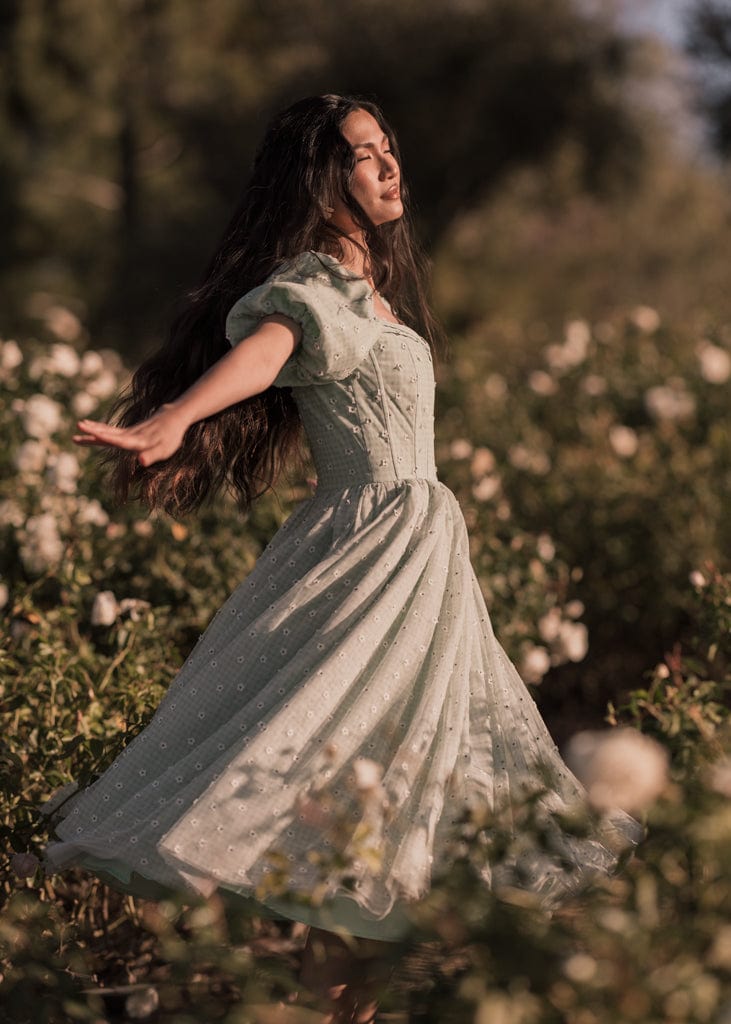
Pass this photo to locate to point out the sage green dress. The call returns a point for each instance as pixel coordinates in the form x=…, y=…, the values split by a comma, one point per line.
x=360, y=639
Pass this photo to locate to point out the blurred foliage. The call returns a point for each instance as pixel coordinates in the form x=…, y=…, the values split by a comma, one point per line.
x=708, y=39
x=128, y=127
x=100, y=607
x=614, y=439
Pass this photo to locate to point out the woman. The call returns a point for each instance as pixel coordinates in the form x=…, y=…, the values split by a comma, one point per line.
x=360, y=642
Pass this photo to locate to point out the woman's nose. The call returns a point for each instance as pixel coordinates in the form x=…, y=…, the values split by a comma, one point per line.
x=389, y=166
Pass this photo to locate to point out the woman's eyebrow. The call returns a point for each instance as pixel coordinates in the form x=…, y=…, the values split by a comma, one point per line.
x=369, y=145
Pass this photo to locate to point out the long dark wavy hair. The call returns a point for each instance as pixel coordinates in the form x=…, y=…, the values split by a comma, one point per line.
x=302, y=164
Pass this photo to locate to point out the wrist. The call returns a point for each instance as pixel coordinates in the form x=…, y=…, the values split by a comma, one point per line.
x=179, y=412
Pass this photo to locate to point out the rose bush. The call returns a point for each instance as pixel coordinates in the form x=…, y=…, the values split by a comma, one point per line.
x=595, y=510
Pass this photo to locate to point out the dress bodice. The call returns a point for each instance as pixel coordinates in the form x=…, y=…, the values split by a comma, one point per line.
x=364, y=386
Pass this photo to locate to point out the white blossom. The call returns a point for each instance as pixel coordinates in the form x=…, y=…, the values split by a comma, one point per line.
x=645, y=318
x=580, y=967
x=142, y=1004
x=63, y=471
x=41, y=416
x=103, y=385
x=42, y=546
x=30, y=457
x=576, y=340
x=11, y=514
x=486, y=488
x=367, y=774
x=575, y=609
x=83, y=403
x=10, y=355
x=549, y=625
x=535, y=663
x=593, y=385
x=522, y=457
x=105, y=608
x=573, y=640
x=545, y=547
x=91, y=363
x=63, y=323
x=669, y=402
x=623, y=440
x=91, y=511
x=63, y=360
x=460, y=448
x=134, y=606
x=718, y=776
x=483, y=461
x=495, y=386
x=620, y=768
x=542, y=383
x=697, y=579
x=715, y=363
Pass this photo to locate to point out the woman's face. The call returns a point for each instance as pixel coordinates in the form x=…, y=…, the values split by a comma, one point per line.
x=376, y=180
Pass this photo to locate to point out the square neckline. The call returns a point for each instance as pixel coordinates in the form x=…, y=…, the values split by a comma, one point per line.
x=395, y=325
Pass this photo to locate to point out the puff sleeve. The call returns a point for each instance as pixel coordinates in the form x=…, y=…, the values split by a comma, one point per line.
x=333, y=308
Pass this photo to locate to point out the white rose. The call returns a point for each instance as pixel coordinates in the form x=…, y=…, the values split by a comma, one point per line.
x=102, y=386
x=483, y=461
x=573, y=639
x=42, y=546
x=549, y=625
x=91, y=511
x=460, y=448
x=10, y=355
x=83, y=403
x=536, y=662
x=41, y=416
x=697, y=579
x=623, y=440
x=593, y=385
x=11, y=514
x=545, y=547
x=486, y=488
x=718, y=776
x=91, y=363
x=542, y=383
x=30, y=457
x=142, y=1004
x=666, y=402
x=620, y=768
x=63, y=323
x=715, y=363
x=367, y=774
x=63, y=360
x=495, y=386
x=646, y=318
x=105, y=609
x=63, y=472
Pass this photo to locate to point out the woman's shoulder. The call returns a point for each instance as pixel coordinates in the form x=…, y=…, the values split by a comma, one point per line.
x=320, y=268
x=311, y=288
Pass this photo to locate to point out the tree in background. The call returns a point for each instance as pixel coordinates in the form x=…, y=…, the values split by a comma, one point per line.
x=709, y=40
x=128, y=127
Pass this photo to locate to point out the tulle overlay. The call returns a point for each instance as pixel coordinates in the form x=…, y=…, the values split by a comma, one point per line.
x=361, y=633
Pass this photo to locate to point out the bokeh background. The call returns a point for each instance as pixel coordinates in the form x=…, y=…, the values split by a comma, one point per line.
x=569, y=163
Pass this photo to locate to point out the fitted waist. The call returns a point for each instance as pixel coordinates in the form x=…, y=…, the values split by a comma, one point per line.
x=339, y=480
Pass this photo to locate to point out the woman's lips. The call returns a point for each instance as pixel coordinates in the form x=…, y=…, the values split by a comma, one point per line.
x=393, y=193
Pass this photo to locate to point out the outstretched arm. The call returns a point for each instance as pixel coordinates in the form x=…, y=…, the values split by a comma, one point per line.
x=246, y=370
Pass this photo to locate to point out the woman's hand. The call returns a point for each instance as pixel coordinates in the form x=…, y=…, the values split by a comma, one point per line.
x=155, y=438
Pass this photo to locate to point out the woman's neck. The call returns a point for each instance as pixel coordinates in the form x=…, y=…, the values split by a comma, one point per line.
x=353, y=257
